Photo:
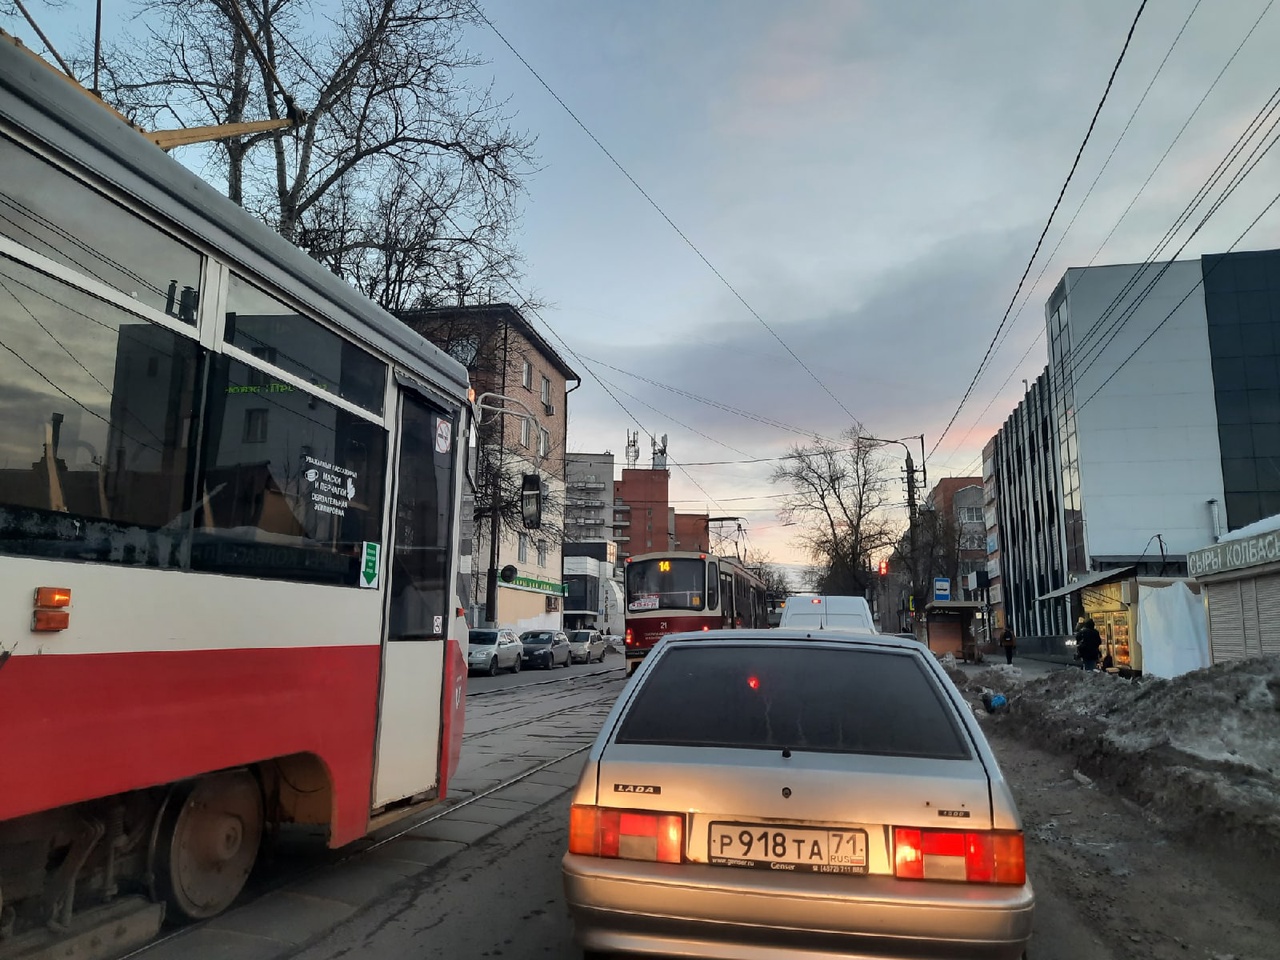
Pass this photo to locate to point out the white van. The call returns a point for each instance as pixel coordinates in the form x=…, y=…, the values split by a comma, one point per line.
x=814, y=611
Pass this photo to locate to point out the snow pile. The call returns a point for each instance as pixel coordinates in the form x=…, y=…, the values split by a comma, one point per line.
x=1202, y=750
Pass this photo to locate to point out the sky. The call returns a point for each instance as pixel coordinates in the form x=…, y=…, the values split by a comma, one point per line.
x=870, y=177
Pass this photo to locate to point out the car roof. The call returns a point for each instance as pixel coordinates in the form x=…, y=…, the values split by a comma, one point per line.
x=798, y=634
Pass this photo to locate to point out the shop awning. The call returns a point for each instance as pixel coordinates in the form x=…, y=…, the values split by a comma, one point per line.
x=1088, y=580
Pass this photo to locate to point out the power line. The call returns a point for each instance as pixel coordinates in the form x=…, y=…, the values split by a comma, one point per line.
x=662, y=213
x=1092, y=343
x=1251, y=162
x=1083, y=345
x=1074, y=217
x=1178, y=305
x=746, y=414
x=680, y=423
x=1044, y=232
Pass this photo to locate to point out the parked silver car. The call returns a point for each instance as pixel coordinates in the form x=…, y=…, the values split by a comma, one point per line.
x=489, y=651
x=787, y=793
x=586, y=646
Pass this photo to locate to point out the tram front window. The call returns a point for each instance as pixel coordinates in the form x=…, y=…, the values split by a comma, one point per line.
x=666, y=584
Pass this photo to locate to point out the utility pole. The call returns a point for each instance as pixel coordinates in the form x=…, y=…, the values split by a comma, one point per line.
x=913, y=565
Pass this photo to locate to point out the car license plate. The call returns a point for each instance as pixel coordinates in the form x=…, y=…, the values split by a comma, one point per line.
x=775, y=847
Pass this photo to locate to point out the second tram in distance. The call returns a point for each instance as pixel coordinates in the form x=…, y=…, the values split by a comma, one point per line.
x=674, y=592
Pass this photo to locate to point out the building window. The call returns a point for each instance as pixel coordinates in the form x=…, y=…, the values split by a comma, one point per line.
x=255, y=426
x=542, y=553
x=971, y=515
x=546, y=390
x=544, y=442
x=522, y=550
x=524, y=433
x=526, y=374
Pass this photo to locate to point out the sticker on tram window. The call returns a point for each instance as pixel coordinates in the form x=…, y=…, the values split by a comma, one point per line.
x=444, y=435
x=696, y=600
x=332, y=487
x=370, y=555
x=644, y=603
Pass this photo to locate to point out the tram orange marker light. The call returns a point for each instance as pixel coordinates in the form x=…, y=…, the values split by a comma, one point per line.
x=50, y=621
x=53, y=596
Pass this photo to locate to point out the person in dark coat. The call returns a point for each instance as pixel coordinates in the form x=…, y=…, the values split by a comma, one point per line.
x=1009, y=642
x=1089, y=646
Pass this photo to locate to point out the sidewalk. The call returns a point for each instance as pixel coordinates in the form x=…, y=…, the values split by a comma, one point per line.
x=1030, y=667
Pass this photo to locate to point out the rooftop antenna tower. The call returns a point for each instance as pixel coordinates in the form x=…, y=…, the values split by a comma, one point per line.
x=660, y=453
x=633, y=449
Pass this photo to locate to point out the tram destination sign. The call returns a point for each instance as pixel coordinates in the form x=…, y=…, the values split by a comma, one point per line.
x=1235, y=554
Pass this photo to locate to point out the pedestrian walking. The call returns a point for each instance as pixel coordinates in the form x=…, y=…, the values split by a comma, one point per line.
x=1009, y=642
x=1089, y=646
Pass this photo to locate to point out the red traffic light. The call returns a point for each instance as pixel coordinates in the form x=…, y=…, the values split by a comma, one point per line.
x=884, y=568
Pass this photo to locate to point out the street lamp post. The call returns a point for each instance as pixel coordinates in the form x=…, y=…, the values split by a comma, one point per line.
x=491, y=581
x=912, y=508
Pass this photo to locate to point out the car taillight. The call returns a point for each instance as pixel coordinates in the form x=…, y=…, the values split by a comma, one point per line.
x=994, y=856
x=626, y=834
x=629, y=640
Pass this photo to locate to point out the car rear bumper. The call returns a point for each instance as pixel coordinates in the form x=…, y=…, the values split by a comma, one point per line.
x=694, y=910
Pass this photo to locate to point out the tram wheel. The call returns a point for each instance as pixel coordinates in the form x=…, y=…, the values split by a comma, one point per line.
x=206, y=842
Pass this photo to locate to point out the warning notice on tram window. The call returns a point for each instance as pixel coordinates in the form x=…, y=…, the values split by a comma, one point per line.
x=444, y=435
x=370, y=564
x=332, y=487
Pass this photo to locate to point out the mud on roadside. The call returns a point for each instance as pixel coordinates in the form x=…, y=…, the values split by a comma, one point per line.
x=1200, y=754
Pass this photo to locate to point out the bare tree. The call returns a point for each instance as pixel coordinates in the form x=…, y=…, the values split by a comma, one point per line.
x=838, y=494
x=776, y=581
x=396, y=175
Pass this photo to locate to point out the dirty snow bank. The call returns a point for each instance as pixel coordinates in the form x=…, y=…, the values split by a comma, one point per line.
x=1202, y=751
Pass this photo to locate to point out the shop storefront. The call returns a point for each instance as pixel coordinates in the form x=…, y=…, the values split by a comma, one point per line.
x=1241, y=579
x=1148, y=624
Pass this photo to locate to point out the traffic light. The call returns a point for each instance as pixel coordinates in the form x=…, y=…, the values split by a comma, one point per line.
x=884, y=568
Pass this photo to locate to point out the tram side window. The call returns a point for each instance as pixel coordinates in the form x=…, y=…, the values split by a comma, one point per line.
x=290, y=488
x=49, y=211
x=98, y=407
x=421, y=535
x=274, y=332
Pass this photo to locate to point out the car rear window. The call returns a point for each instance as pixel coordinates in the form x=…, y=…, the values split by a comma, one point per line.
x=801, y=697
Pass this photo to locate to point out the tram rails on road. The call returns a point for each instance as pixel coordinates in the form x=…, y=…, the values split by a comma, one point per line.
x=230, y=593
x=514, y=733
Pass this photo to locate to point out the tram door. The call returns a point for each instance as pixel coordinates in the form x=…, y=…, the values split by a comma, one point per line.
x=417, y=609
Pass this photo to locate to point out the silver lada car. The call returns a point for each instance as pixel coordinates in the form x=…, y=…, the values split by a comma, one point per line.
x=786, y=793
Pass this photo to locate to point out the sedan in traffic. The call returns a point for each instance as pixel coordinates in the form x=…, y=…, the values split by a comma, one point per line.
x=545, y=649
x=788, y=793
x=586, y=646
x=489, y=651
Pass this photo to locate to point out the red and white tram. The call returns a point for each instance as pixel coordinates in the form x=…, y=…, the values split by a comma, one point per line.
x=676, y=592
x=229, y=532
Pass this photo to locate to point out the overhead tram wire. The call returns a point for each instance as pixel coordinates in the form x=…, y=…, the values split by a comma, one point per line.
x=746, y=414
x=1075, y=216
x=679, y=423
x=603, y=385
x=662, y=213
x=1043, y=233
